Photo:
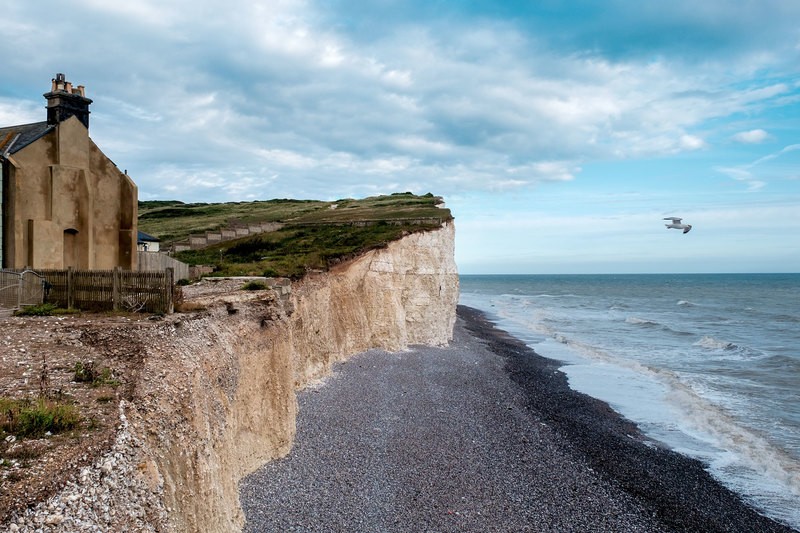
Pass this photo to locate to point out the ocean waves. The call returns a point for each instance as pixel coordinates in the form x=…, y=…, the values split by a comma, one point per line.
x=706, y=364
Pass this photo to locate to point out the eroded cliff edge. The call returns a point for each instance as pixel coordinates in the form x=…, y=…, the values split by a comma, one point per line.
x=216, y=394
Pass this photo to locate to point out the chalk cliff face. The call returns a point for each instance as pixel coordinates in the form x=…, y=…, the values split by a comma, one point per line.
x=218, y=395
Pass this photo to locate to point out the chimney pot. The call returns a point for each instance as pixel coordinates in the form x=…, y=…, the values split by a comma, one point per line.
x=64, y=101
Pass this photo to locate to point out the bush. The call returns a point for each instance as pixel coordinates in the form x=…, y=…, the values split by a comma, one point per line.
x=86, y=373
x=183, y=282
x=254, y=286
x=37, y=310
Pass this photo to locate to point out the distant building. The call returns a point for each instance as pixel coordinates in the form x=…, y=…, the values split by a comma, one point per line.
x=64, y=203
x=147, y=243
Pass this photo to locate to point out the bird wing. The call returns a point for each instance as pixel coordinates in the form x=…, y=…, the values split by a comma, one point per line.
x=674, y=220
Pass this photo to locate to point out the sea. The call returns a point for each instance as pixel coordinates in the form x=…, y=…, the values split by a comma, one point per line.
x=706, y=364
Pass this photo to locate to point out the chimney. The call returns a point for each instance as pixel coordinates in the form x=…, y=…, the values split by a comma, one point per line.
x=64, y=101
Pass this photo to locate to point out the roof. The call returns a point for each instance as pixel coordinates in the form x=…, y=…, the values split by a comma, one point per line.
x=144, y=237
x=28, y=133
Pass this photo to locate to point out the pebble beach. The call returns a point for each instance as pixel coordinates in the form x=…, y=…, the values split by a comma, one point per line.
x=481, y=435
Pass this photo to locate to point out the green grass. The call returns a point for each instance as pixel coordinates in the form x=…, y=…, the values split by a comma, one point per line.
x=315, y=235
x=173, y=220
x=293, y=251
x=170, y=221
x=34, y=418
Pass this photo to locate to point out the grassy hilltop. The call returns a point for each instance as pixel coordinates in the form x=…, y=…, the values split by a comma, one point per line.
x=315, y=234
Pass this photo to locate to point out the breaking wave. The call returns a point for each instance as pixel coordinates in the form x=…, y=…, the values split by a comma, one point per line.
x=710, y=343
x=641, y=322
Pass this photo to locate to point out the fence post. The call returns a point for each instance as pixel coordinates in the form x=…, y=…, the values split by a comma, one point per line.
x=19, y=290
x=169, y=280
x=70, y=289
x=116, y=288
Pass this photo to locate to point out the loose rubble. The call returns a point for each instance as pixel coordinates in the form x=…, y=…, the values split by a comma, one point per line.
x=106, y=496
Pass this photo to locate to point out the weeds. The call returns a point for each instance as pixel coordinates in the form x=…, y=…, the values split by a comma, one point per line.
x=87, y=373
x=46, y=309
x=29, y=418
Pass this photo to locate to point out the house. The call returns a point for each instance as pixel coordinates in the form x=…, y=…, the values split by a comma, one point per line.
x=64, y=203
x=147, y=243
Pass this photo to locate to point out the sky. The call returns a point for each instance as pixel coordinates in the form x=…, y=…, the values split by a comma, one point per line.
x=560, y=133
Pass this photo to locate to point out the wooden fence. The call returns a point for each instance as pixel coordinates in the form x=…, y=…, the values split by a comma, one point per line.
x=111, y=290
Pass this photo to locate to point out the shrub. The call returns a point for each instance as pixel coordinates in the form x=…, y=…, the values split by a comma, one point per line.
x=37, y=310
x=254, y=286
x=183, y=282
x=86, y=373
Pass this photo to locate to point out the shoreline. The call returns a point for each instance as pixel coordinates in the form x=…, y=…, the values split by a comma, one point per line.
x=678, y=489
x=482, y=435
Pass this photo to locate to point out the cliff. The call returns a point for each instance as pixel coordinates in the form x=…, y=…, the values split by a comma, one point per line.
x=216, y=394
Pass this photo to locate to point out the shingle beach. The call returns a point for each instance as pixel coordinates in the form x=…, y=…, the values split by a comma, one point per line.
x=483, y=435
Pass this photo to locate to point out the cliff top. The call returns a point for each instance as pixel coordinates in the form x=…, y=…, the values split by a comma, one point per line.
x=172, y=220
x=311, y=235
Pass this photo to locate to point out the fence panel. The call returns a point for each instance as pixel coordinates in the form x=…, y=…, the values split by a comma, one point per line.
x=111, y=290
x=20, y=288
x=31, y=288
x=9, y=289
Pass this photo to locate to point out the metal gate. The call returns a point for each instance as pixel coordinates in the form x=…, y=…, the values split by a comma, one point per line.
x=18, y=289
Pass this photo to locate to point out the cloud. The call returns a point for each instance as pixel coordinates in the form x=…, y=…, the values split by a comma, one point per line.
x=16, y=112
x=751, y=137
x=457, y=99
x=767, y=165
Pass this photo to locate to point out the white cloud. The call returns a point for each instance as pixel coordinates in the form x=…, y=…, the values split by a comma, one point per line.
x=282, y=89
x=753, y=173
x=751, y=137
x=14, y=112
x=691, y=142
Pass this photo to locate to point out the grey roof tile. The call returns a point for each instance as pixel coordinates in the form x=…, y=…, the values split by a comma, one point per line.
x=28, y=133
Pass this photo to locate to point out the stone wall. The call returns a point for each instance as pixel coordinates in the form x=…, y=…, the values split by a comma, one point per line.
x=198, y=241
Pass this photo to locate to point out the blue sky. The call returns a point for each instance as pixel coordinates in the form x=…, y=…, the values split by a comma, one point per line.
x=560, y=133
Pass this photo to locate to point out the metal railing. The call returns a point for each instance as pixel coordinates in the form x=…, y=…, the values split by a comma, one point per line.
x=18, y=289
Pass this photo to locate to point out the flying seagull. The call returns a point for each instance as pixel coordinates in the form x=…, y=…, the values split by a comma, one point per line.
x=676, y=224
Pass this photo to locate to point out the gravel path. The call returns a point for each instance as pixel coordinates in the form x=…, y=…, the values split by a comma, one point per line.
x=480, y=436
